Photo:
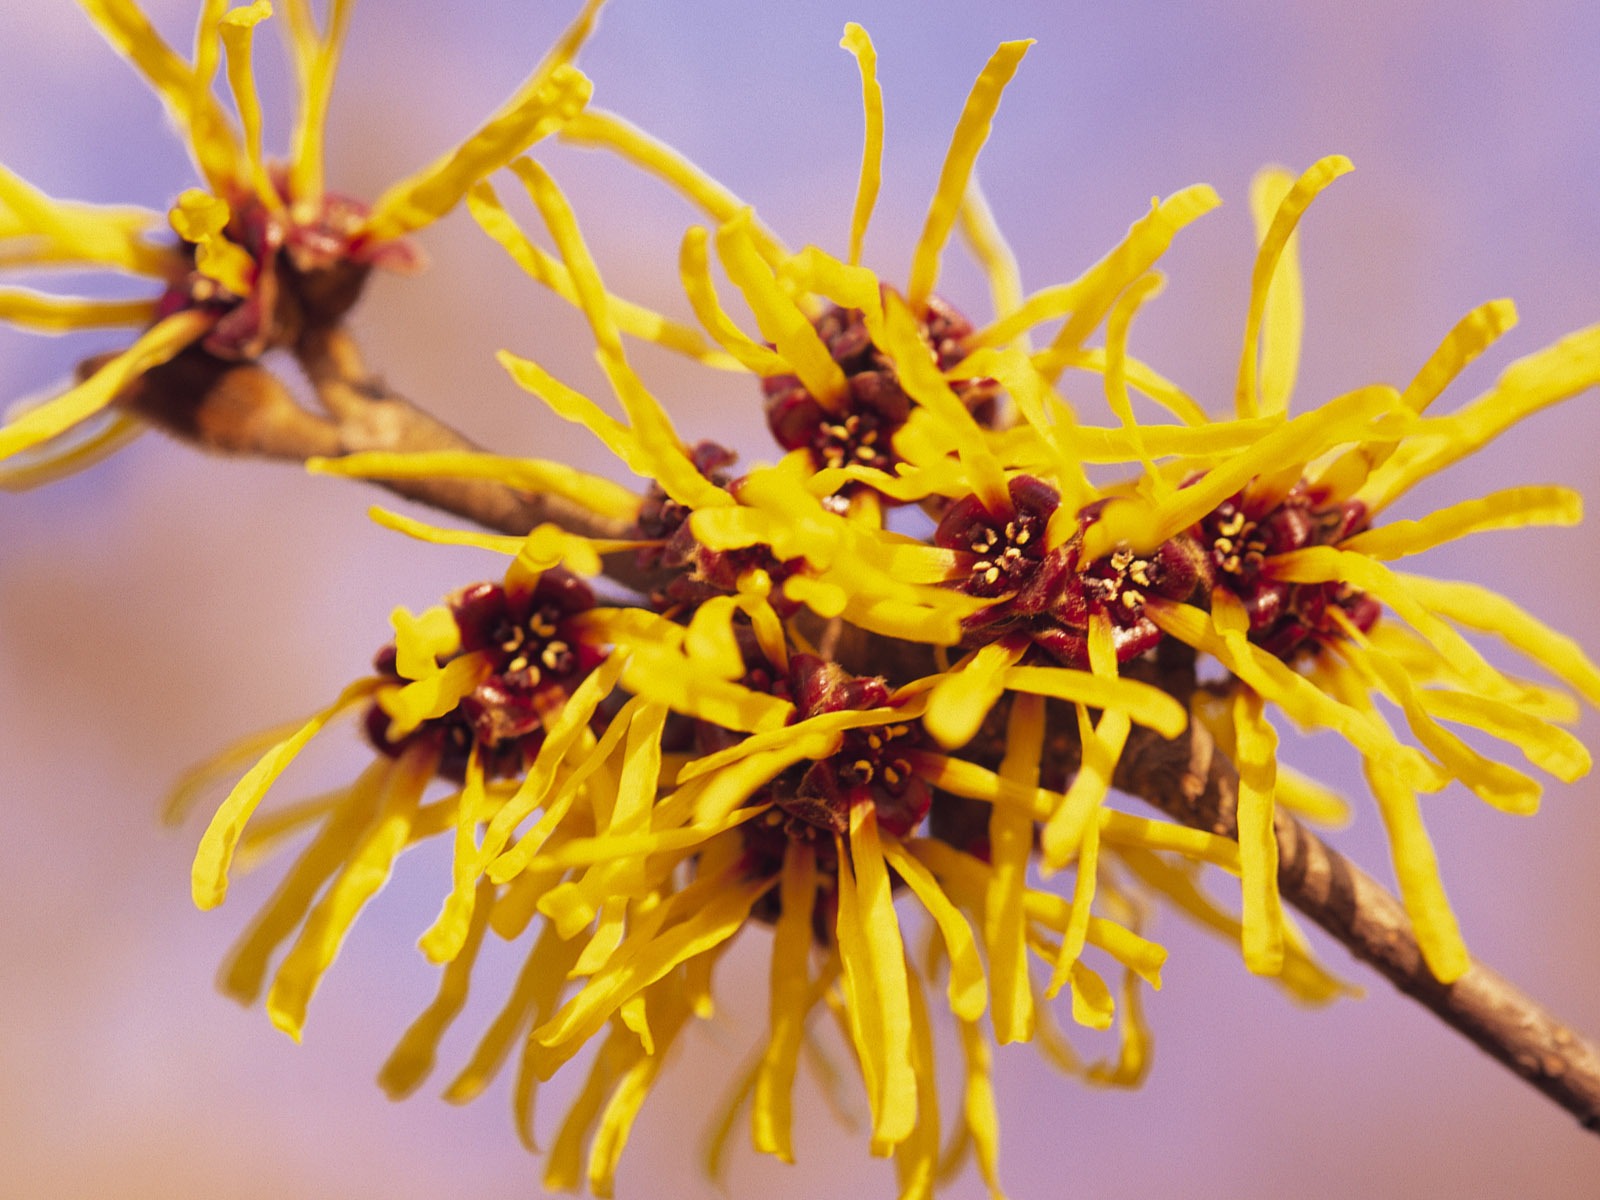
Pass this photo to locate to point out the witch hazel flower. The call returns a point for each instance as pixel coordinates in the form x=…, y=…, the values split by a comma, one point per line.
x=257, y=255
x=816, y=727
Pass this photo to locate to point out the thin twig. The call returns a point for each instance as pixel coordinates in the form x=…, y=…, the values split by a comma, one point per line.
x=1189, y=780
x=244, y=409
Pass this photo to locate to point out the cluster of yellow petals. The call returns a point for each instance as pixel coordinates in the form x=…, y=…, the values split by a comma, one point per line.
x=631, y=860
x=40, y=232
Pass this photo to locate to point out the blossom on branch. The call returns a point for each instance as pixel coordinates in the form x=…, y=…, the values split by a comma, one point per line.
x=888, y=683
x=260, y=253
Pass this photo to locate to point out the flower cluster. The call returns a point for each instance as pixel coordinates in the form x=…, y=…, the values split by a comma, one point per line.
x=811, y=716
x=258, y=255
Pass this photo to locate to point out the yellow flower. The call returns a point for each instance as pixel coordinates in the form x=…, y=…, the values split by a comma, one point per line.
x=750, y=780
x=642, y=855
x=877, y=385
x=817, y=704
x=262, y=249
x=1299, y=581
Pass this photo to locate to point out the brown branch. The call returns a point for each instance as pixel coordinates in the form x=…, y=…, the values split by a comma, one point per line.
x=1192, y=782
x=371, y=417
x=244, y=409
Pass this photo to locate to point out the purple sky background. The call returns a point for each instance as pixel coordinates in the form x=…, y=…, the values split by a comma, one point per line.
x=162, y=605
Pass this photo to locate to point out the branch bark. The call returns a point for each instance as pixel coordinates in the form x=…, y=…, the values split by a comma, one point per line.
x=244, y=409
x=1190, y=781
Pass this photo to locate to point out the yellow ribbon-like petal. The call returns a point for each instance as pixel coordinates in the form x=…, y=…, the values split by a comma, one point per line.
x=857, y=42
x=972, y=130
x=1275, y=245
x=1258, y=845
x=216, y=847
x=789, y=986
x=161, y=343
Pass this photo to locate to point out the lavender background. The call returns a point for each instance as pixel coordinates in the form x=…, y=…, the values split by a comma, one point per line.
x=164, y=604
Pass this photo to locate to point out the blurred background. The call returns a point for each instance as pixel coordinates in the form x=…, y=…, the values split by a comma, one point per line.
x=166, y=603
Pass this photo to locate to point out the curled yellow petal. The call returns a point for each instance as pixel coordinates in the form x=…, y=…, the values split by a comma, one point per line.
x=238, y=34
x=1144, y=525
x=316, y=58
x=1531, y=383
x=721, y=912
x=988, y=245
x=656, y=442
x=790, y=1001
x=412, y=1058
x=972, y=130
x=1469, y=338
x=781, y=320
x=962, y=698
x=875, y=981
x=434, y=694
x=1089, y=297
x=245, y=968
x=1416, y=869
x=1258, y=845
x=694, y=268
x=1510, y=508
x=41, y=313
x=596, y=128
x=215, y=852
x=421, y=641
x=1479, y=608
x=632, y=319
x=541, y=476
x=1275, y=244
x=159, y=344
x=366, y=871
x=857, y=42
x=187, y=97
x=551, y=98
x=533, y=997
x=1284, y=315
x=1144, y=703
x=968, y=992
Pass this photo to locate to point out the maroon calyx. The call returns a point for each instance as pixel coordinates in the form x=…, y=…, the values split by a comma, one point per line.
x=1240, y=537
x=693, y=573
x=1047, y=596
x=811, y=803
x=309, y=266
x=869, y=767
x=859, y=430
x=536, y=655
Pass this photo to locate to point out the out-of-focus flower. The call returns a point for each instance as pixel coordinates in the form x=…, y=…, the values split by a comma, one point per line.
x=262, y=250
